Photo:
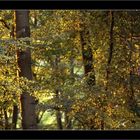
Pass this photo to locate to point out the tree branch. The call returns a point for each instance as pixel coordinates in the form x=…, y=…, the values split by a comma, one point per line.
x=5, y=24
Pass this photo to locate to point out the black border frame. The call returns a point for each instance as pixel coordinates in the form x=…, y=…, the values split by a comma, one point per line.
x=72, y=5
x=67, y=4
x=72, y=134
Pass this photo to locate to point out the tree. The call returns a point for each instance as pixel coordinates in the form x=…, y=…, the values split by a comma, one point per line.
x=87, y=52
x=24, y=62
x=111, y=47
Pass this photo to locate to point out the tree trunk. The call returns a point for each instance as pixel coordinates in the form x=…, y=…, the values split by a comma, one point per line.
x=87, y=55
x=111, y=46
x=15, y=107
x=58, y=113
x=14, y=116
x=132, y=102
x=35, y=19
x=24, y=63
x=57, y=95
x=6, y=119
x=68, y=123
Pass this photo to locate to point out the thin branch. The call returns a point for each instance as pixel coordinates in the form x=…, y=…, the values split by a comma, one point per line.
x=5, y=24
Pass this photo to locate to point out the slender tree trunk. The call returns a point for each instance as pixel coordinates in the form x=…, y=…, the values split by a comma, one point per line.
x=57, y=94
x=68, y=122
x=14, y=116
x=132, y=103
x=35, y=19
x=87, y=55
x=6, y=119
x=59, y=121
x=15, y=107
x=111, y=47
x=58, y=113
x=6, y=124
x=131, y=100
x=24, y=62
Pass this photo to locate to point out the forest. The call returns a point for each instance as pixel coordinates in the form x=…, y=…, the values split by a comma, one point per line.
x=69, y=69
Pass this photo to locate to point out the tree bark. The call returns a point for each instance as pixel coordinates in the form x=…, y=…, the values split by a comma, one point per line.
x=68, y=123
x=111, y=47
x=58, y=113
x=6, y=119
x=24, y=63
x=14, y=116
x=15, y=107
x=57, y=95
x=132, y=102
x=87, y=54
